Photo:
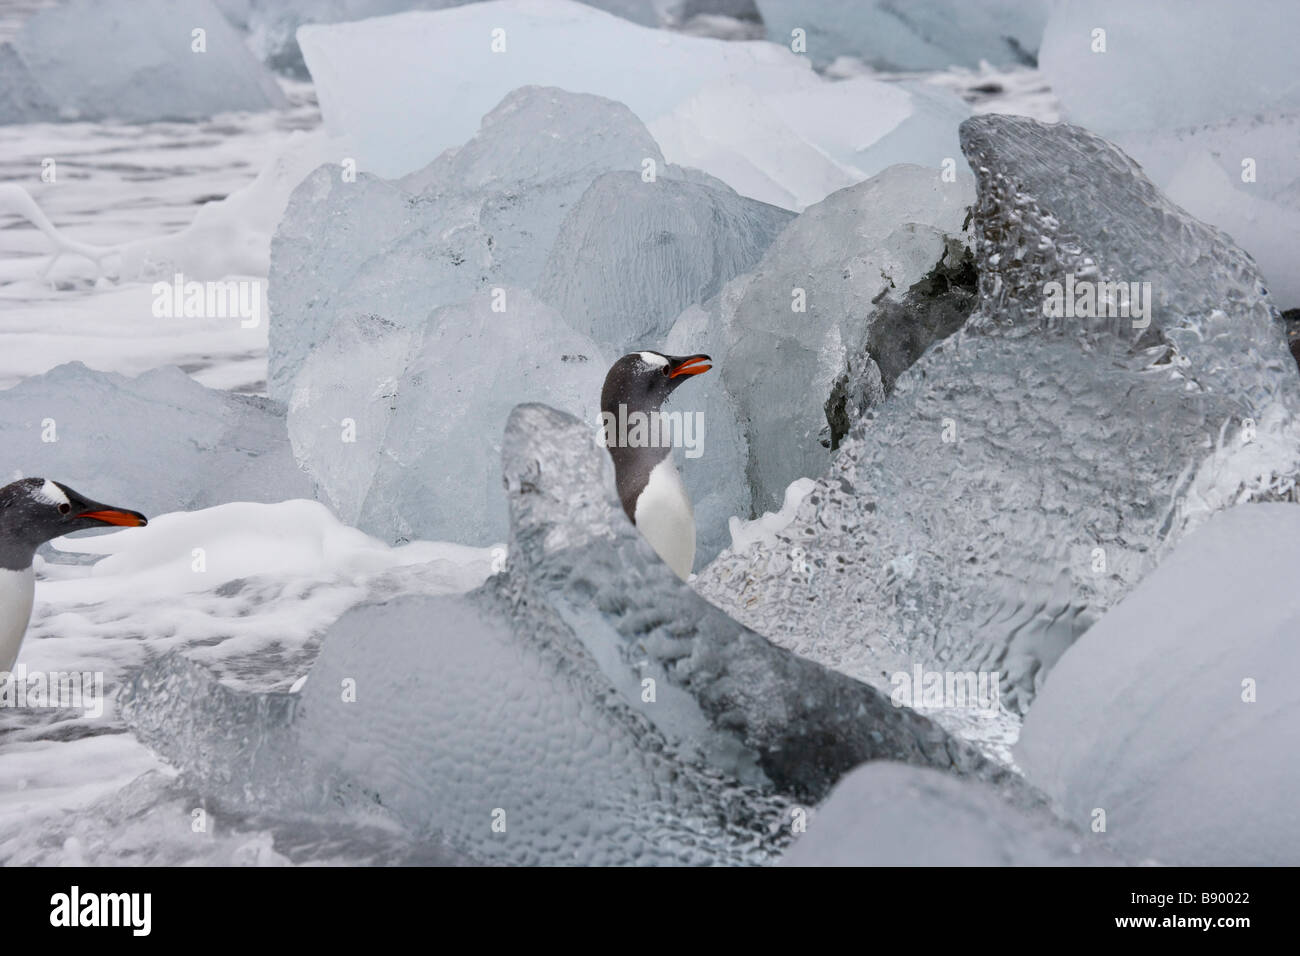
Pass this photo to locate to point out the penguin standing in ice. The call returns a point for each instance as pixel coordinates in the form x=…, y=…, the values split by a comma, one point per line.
x=32, y=511
x=649, y=486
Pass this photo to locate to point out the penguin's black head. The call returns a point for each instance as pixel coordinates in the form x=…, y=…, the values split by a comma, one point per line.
x=643, y=380
x=34, y=510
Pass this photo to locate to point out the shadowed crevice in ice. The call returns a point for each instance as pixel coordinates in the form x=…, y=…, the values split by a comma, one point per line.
x=846, y=297
x=529, y=696
x=1025, y=474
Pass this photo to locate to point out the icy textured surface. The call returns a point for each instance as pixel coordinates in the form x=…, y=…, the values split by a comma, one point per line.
x=1025, y=474
x=632, y=255
x=888, y=814
x=911, y=34
x=428, y=406
x=131, y=60
x=481, y=216
x=1147, y=715
x=159, y=442
x=538, y=681
x=753, y=114
x=1205, y=100
x=1171, y=63
x=856, y=258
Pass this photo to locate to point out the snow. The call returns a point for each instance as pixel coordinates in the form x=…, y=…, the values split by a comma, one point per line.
x=1175, y=713
x=746, y=534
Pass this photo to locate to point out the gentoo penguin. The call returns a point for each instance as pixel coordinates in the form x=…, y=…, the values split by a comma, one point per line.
x=648, y=483
x=32, y=511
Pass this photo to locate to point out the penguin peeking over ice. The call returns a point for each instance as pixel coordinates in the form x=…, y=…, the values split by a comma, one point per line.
x=640, y=441
x=32, y=511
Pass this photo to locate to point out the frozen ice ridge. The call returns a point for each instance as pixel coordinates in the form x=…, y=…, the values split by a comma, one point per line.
x=608, y=714
x=131, y=60
x=1028, y=471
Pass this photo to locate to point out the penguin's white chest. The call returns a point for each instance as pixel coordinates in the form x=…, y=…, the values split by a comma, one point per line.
x=665, y=517
x=17, y=590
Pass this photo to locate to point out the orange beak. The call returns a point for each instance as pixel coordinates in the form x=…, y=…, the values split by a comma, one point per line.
x=127, y=519
x=694, y=365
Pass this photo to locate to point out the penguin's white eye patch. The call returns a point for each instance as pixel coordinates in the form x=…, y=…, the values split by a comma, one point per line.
x=653, y=359
x=51, y=494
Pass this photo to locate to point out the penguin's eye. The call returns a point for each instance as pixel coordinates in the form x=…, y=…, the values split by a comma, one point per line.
x=64, y=508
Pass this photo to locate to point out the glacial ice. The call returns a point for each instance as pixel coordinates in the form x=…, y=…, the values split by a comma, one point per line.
x=159, y=442
x=714, y=479
x=1026, y=473
x=911, y=35
x=631, y=255
x=428, y=55
x=792, y=147
x=1176, y=713
x=358, y=268
x=132, y=60
x=836, y=309
x=422, y=459
x=610, y=715
x=273, y=24
x=480, y=216
x=1203, y=97
x=21, y=98
x=888, y=814
x=787, y=144
x=1170, y=63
